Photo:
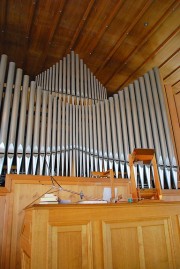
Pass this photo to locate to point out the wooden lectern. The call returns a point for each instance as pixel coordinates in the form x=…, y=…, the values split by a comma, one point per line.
x=147, y=156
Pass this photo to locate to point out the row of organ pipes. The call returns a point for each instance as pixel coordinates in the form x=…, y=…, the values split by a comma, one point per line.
x=63, y=124
x=71, y=77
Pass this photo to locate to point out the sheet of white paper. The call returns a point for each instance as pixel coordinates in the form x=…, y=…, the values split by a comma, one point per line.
x=107, y=194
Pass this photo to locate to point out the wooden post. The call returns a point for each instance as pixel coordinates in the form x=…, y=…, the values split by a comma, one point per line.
x=112, y=184
x=132, y=177
x=156, y=178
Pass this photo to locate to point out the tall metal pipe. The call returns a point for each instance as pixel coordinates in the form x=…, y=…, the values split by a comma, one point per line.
x=22, y=123
x=14, y=119
x=29, y=132
x=42, y=149
x=36, y=135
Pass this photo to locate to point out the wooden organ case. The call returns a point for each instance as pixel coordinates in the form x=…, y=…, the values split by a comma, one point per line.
x=64, y=125
x=123, y=236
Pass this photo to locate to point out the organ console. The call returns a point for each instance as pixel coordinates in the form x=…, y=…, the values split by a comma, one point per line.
x=64, y=121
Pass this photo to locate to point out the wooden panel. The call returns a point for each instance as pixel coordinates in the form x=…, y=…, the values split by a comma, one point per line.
x=2, y=215
x=149, y=242
x=176, y=87
x=26, y=262
x=158, y=245
x=147, y=53
x=177, y=102
x=169, y=64
x=173, y=110
x=70, y=246
x=112, y=40
x=121, y=240
x=136, y=235
x=173, y=77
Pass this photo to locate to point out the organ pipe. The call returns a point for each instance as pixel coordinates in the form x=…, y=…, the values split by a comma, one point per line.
x=14, y=119
x=29, y=134
x=36, y=130
x=22, y=123
x=119, y=134
x=43, y=131
x=65, y=125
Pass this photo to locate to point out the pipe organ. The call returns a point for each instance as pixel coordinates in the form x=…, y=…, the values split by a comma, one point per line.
x=63, y=124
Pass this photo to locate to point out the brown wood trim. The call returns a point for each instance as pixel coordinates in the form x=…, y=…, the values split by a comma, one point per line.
x=46, y=180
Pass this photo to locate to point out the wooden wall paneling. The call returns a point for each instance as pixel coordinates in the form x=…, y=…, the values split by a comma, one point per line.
x=17, y=29
x=152, y=60
x=169, y=63
x=172, y=78
x=142, y=51
x=164, y=51
x=103, y=54
x=173, y=118
x=80, y=26
x=177, y=102
x=2, y=214
x=136, y=37
x=93, y=25
x=106, y=23
x=42, y=31
x=54, y=26
x=67, y=29
x=176, y=86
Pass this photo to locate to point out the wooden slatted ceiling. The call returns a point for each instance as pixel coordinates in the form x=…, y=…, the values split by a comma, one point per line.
x=119, y=40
